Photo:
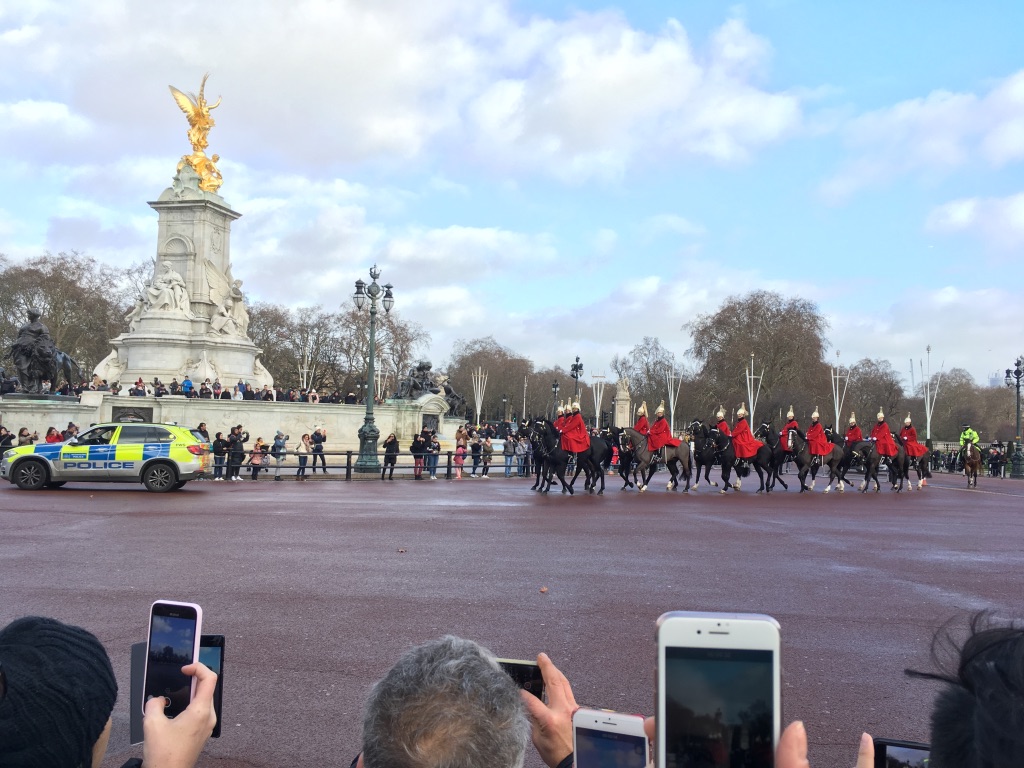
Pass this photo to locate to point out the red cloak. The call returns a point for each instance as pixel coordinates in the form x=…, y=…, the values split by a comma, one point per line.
x=723, y=427
x=642, y=426
x=817, y=441
x=784, y=434
x=574, y=434
x=743, y=440
x=884, y=443
x=660, y=435
x=854, y=435
x=913, y=448
x=559, y=423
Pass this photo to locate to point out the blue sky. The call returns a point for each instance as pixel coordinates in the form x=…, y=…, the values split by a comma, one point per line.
x=565, y=177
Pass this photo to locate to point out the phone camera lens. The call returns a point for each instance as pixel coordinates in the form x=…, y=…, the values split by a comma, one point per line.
x=698, y=631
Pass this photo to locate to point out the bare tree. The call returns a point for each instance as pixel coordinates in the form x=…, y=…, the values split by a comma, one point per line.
x=646, y=367
x=875, y=384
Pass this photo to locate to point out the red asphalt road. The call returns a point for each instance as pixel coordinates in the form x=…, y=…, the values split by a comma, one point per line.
x=320, y=586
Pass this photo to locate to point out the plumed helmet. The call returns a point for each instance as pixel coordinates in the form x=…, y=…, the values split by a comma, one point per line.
x=576, y=407
x=561, y=408
x=789, y=413
x=853, y=418
x=907, y=420
x=642, y=410
x=742, y=412
x=721, y=413
x=661, y=409
x=815, y=416
x=880, y=415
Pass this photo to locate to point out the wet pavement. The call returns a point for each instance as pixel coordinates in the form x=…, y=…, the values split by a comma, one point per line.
x=319, y=586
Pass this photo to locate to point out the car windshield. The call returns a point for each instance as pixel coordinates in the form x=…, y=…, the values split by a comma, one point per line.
x=97, y=436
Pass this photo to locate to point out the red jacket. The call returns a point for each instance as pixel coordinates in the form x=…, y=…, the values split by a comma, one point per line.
x=559, y=423
x=913, y=448
x=884, y=443
x=574, y=434
x=784, y=434
x=723, y=427
x=743, y=440
x=854, y=435
x=817, y=441
x=642, y=426
x=660, y=435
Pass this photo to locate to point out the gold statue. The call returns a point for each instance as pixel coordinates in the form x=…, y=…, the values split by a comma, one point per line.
x=200, y=122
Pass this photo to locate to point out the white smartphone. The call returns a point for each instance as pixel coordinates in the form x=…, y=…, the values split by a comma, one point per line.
x=175, y=631
x=719, y=702
x=605, y=739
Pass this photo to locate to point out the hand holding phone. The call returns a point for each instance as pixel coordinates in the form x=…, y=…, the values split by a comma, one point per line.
x=173, y=642
x=551, y=723
x=526, y=674
x=179, y=741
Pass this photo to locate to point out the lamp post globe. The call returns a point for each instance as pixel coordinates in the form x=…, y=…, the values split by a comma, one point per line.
x=373, y=294
x=554, y=393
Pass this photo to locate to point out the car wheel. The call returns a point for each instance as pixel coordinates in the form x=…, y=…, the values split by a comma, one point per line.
x=30, y=475
x=159, y=478
x=59, y=484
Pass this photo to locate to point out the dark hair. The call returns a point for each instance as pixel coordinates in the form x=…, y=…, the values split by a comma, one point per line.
x=978, y=716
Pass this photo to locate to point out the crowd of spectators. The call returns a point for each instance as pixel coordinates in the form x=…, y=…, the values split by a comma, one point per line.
x=448, y=704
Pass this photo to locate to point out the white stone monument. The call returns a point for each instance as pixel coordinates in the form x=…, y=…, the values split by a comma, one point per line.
x=190, y=319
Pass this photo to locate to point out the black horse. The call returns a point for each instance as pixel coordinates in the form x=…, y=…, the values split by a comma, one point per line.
x=627, y=459
x=703, y=450
x=594, y=462
x=848, y=456
x=770, y=437
x=872, y=460
x=549, y=455
x=726, y=453
x=676, y=457
x=807, y=462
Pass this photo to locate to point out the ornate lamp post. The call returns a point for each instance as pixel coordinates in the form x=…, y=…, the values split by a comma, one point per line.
x=1013, y=379
x=504, y=407
x=554, y=404
x=576, y=370
x=368, y=433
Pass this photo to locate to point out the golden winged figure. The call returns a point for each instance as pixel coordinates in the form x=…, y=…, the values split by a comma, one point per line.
x=197, y=110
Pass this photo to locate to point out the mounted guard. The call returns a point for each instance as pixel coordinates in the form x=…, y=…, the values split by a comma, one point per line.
x=817, y=441
x=660, y=435
x=743, y=439
x=881, y=435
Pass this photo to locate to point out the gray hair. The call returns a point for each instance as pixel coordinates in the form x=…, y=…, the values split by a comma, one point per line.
x=445, y=704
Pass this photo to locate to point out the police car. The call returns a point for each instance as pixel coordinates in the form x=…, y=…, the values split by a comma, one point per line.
x=163, y=457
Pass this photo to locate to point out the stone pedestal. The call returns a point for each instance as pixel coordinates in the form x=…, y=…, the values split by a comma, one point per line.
x=622, y=416
x=191, y=319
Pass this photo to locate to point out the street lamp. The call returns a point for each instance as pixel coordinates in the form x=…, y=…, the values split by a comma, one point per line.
x=554, y=404
x=1013, y=379
x=504, y=407
x=368, y=433
x=576, y=370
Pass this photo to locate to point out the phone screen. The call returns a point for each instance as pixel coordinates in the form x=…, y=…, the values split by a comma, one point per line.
x=211, y=653
x=718, y=708
x=603, y=749
x=526, y=675
x=901, y=754
x=172, y=641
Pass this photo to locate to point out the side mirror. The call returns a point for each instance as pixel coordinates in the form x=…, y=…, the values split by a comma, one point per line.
x=72, y=441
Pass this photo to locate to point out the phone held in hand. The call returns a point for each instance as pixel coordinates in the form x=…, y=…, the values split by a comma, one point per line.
x=526, y=675
x=174, y=632
x=605, y=739
x=211, y=654
x=718, y=700
x=901, y=754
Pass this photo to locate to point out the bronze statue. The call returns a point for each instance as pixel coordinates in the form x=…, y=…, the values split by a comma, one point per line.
x=197, y=110
x=34, y=354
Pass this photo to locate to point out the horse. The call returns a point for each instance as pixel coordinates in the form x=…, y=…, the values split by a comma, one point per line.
x=552, y=458
x=593, y=462
x=761, y=462
x=675, y=456
x=972, y=464
x=872, y=459
x=767, y=435
x=703, y=451
x=627, y=456
x=848, y=457
x=805, y=462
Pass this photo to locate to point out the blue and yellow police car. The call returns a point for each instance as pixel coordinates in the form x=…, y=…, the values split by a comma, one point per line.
x=163, y=457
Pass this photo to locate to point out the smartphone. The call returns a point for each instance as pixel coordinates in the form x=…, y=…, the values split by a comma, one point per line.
x=526, y=675
x=605, y=739
x=211, y=653
x=173, y=642
x=718, y=682
x=901, y=754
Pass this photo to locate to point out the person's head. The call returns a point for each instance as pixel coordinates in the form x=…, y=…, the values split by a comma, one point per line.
x=202, y=426
x=23, y=432
x=880, y=416
x=51, y=431
x=815, y=416
x=906, y=421
x=305, y=437
x=965, y=426
x=445, y=703
x=219, y=435
x=978, y=716
x=59, y=692
x=853, y=419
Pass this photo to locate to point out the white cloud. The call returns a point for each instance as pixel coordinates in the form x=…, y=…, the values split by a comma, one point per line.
x=30, y=115
x=997, y=220
x=933, y=135
x=671, y=223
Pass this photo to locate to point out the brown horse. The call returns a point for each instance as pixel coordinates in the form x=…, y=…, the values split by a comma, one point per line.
x=972, y=464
